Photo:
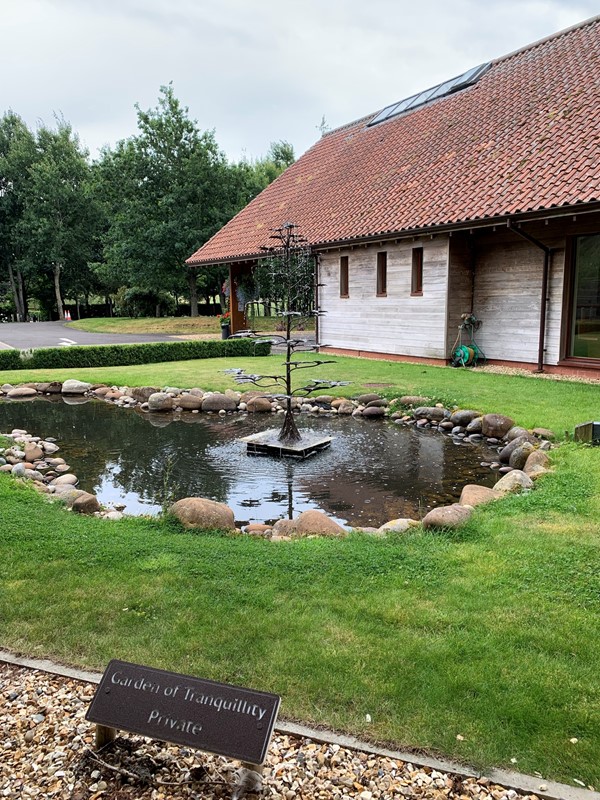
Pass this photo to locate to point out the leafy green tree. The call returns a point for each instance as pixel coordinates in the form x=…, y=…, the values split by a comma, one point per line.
x=58, y=226
x=166, y=191
x=17, y=154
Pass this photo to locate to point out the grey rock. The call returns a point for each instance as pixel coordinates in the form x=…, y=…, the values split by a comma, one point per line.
x=218, y=402
x=198, y=513
x=363, y=399
x=86, y=503
x=452, y=516
x=382, y=403
x=431, y=413
x=474, y=495
x=515, y=481
x=21, y=392
x=463, y=417
x=475, y=426
x=159, y=402
x=509, y=449
x=73, y=386
x=373, y=412
x=142, y=393
x=516, y=432
x=258, y=405
x=496, y=425
x=189, y=402
x=519, y=456
x=398, y=525
x=413, y=400
x=69, y=479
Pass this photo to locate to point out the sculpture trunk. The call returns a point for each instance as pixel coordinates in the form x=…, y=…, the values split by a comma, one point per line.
x=289, y=430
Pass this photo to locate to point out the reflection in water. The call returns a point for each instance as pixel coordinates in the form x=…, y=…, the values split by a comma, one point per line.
x=373, y=471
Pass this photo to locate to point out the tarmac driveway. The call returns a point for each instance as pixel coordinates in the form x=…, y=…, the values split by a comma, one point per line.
x=25, y=335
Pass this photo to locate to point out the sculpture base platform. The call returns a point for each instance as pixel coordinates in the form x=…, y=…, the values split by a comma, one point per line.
x=267, y=444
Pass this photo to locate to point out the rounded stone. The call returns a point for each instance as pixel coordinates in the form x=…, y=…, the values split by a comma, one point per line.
x=218, y=402
x=398, y=525
x=413, y=400
x=373, y=411
x=431, y=413
x=518, y=457
x=199, y=513
x=65, y=480
x=363, y=399
x=86, y=503
x=160, y=401
x=316, y=522
x=496, y=425
x=73, y=386
x=538, y=458
x=475, y=495
x=452, y=516
x=258, y=405
x=514, y=481
x=463, y=417
x=21, y=391
x=189, y=402
x=475, y=426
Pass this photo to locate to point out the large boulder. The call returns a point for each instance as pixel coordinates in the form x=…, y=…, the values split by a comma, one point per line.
x=447, y=516
x=463, y=417
x=316, y=523
x=33, y=452
x=398, y=525
x=68, y=479
x=519, y=455
x=21, y=392
x=509, y=449
x=538, y=458
x=141, y=393
x=189, y=402
x=514, y=481
x=54, y=387
x=258, y=404
x=431, y=412
x=198, y=513
x=363, y=399
x=346, y=407
x=73, y=386
x=474, y=495
x=86, y=503
x=218, y=402
x=496, y=426
x=475, y=426
x=373, y=411
x=160, y=401
x=67, y=494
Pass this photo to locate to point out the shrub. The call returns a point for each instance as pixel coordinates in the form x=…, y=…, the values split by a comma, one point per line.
x=123, y=355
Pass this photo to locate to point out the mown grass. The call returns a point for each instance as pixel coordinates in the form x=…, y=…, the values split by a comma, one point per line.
x=491, y=633
x=173, y=326
x=559, y=405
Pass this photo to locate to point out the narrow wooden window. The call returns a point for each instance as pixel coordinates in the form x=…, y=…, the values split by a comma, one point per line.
x=416, y=284
x=344, y=290
x=381, y=274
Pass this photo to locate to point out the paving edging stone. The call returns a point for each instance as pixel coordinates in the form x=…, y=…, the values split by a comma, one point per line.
x=520, y=782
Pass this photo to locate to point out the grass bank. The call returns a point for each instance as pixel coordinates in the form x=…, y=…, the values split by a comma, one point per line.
x=171, y=326
x=491, y=634
x=531, y=401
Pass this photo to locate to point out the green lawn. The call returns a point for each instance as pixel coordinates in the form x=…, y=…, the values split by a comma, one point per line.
x=175, y=326
x=491, y=634
x=559, y=405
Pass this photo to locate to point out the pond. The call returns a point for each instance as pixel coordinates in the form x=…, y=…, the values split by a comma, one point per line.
x=373, y=472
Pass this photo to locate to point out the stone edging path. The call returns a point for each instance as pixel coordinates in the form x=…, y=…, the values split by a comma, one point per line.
x=522, y=454
x=48, y=752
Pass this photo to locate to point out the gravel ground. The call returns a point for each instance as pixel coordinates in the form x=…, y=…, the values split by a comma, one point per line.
x=47, y=751
x=526, y=373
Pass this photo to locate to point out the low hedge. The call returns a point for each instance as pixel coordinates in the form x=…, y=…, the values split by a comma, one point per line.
x=124, y=355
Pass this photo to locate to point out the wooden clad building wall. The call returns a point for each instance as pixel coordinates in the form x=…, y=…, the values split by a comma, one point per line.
x=398, y=323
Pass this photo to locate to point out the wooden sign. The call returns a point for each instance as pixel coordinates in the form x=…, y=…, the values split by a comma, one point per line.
x=216, y=717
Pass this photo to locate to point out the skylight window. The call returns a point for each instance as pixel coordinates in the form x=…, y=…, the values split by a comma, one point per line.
x=467, y=78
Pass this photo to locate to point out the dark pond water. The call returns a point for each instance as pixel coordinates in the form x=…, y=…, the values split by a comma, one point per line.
x=373, y=472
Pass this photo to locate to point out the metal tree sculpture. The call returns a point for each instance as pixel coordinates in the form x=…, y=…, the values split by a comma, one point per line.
x=288, y=273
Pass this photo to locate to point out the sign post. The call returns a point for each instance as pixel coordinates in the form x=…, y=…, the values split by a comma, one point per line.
x=216, y=717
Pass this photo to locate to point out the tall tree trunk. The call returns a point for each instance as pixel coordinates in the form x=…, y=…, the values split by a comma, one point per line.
x=16, y=287
x=193, y=293
x=59, y=302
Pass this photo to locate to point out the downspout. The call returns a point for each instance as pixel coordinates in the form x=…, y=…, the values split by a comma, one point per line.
x=547, y=252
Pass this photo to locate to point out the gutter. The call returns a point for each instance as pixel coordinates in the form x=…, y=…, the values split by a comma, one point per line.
x=544, y=298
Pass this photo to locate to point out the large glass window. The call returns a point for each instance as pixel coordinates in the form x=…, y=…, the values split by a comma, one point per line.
x=585, y=330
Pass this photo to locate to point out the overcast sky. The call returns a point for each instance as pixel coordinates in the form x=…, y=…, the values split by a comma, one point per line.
x=255, y=71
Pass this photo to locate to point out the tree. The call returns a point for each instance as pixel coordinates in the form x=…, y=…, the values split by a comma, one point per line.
x=167, y=190
x=57, y=229
x=17, y=154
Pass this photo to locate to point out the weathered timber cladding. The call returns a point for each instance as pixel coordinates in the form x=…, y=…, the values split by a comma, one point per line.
x=397, y=323
x=460, y=283
x=507, y=295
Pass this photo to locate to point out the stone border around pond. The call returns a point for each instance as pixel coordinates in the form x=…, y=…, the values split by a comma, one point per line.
x=522, y=454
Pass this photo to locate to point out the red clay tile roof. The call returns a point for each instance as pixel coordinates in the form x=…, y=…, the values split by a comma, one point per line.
x=526, y=137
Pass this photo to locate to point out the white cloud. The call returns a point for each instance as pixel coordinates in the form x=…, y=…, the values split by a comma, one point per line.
x=255, y=70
